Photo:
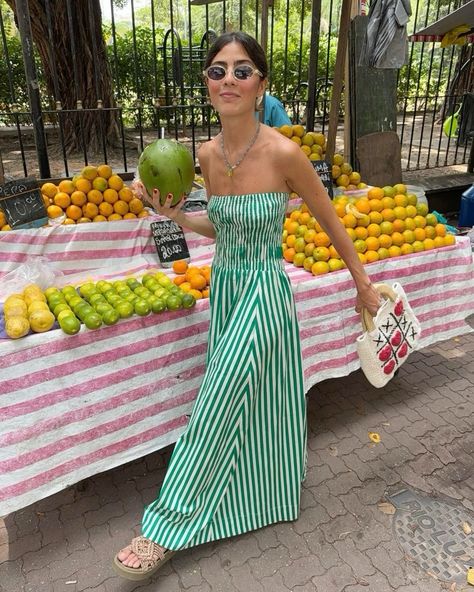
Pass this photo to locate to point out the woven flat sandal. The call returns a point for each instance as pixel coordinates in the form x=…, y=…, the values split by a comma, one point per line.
x=151, y=557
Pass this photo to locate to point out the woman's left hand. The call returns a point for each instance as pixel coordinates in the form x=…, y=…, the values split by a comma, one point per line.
x=369, y=298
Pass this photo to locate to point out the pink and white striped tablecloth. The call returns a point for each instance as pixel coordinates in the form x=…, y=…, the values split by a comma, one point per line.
x=74, y=406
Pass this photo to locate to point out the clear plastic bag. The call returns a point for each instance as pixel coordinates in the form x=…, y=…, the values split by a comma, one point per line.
x=35, y=270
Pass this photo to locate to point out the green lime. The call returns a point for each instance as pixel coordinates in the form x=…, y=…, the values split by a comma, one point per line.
x=70, y=324
x=53, y=301
x=141, y=307
x=142, y=291
x=92, y=320
x=131, y=297
x=173, y=302
x=96, y=297
x=158, y=305
x=110, y=317
x=124, y=308
x=104, y=286
x=161, y=292
x=82, y=310
x=87, y=289
x=132, y=282
x=188, y=300
x=124, y=292
x=74, y=301
x=59, y=307
x=102, y=307
x=50, y=291
x=68, y=290
x=112, y=297
x=165, y=281
x=65, y=313
x=119, y=285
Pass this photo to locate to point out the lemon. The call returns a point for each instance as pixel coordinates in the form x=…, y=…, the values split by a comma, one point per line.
x=15, y=307
x=41, y=321
x=16, y=327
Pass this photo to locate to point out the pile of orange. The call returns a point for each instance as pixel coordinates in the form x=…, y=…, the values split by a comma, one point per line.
x=192, y=279
x=387, y=222
x=313, y=144
x=3, y=222
x=95, y=195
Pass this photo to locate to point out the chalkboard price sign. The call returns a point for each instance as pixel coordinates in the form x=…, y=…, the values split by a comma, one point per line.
x=170, y=242
x=324, y=171
x=22, y=204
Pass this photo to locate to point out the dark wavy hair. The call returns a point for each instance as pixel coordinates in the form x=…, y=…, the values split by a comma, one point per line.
x=251, y=46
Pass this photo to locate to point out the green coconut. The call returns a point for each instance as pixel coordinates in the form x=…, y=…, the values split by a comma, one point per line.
x=168, y=166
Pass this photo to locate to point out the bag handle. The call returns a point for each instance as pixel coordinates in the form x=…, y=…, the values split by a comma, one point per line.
x=366, y=318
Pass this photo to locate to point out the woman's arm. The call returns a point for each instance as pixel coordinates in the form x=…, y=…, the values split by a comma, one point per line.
x=302, y=179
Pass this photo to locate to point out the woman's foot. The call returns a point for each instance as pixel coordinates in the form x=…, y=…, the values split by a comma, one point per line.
x=141, y=559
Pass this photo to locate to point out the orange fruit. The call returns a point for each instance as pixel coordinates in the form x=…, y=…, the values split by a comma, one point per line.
x=418, y=246
x=410, y=224
x=83, y=184
x=362, y=258
x=386, y=227
x=89, y=172
x=290, y=241
x=420, y=221
x=372, y=243
x=295, y=215
x=90, y=210
x=400, y=200
x=411, y=211
x=340, y=209
x=205, y=293
x=374, y=230
x=333, y=252
x=360, y=245
x=361, y=232
x=66, y=186
x=363, y=205
x=385, y=241
x=126, y=194
x=135, y=205
x=351, y=233
x=397, y=239
x=74, y=212
x=321, y=254
x=388, y=202
x=409, y=236
x=106, y=209
x=180, y=266
x=99, y=218
x=406, y=249
x=143, y=214
x=95, y=196
x=430, y=231
x=179, y=279
x=69, y=221
x=84, y=220
x=350, y=221
x=62, y=200
x=320, y=268
x=375, y=217
x=388, y=214
x=296, y=139
x=114, y=217
x=289, y=254
x=6, y=227
x=305, y=218
x=78, y=198
x=375, y=193
x=394, y=251
x=3, y=220
x=198, y=281
x=111, y=196
x=115, y=182
x=400, y=212
x=438, y=241
x=292, y=226
x=49, y=189
x=420, y=234
x=429, y=244
x=440, y=229
x=376, y=205
x=185, y=286
x=449, y=240
x=121, y=207
x=196, y=293
x=104, y=171
x=130, y=215
x=99, y=183
x=398, y=225
x=54, y=211
x=371, y=256
x=321, y=239
x=46, y=201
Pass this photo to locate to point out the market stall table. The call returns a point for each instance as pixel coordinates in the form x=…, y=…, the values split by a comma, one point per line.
x=74, y=406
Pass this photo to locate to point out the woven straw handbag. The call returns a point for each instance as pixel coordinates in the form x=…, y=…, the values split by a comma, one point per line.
x=389, y=337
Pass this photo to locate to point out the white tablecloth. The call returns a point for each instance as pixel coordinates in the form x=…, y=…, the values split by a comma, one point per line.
x=74, y=406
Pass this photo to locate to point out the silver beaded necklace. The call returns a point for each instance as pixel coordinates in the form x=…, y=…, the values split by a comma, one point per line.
x=231, y=167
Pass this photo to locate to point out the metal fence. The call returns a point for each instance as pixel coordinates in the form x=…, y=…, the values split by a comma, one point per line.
x=154, y=52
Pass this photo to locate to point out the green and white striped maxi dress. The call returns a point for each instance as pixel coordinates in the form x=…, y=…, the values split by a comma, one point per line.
x=240, y=462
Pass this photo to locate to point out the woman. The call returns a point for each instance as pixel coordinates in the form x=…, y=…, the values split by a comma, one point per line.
x=240, y=463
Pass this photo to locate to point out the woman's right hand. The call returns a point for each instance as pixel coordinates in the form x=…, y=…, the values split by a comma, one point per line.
x=166, y=209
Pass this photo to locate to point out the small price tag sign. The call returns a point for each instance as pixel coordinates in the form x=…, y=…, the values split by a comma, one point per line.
x=324, y=171
x=170, y=242
x=22, y=204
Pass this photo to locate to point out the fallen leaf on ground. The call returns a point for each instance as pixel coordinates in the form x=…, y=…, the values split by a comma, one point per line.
x=333, y=450
x=466, y=527
x=374, y=437
x=470, y=576
x=387, y=508
x=452, y=588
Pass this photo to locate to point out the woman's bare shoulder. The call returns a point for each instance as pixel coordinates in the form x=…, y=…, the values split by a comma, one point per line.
x=280, y=147
x=206, y=149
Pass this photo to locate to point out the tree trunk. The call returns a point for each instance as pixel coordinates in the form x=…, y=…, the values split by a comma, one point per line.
x=76, y=70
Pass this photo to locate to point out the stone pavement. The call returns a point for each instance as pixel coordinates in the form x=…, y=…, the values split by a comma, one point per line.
x=342, y=541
